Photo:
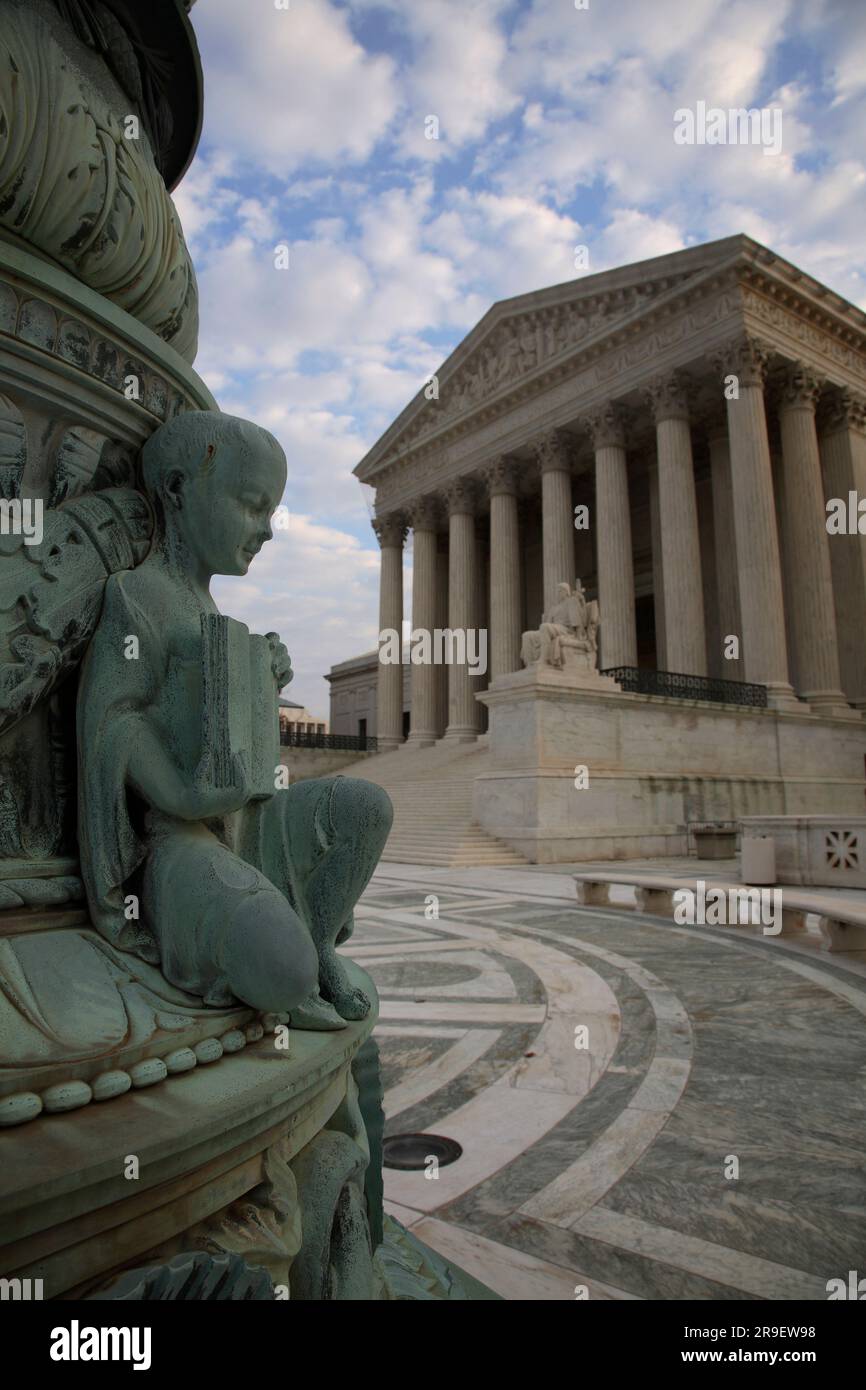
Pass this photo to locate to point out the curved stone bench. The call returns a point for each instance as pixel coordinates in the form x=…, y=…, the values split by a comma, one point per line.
x=842, y=922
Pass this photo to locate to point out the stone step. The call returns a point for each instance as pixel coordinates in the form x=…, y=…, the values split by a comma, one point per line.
x=431, y=791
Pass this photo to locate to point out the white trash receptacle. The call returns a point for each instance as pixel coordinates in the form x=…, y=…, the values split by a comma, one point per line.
x=758, y=859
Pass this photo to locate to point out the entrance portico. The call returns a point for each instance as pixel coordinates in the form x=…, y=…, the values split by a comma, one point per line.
x=671, y=433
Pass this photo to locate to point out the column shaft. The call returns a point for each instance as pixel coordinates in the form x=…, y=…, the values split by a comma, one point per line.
x=765, y=654
x=615, y=563
x=389, y=715
x=685, y=636
x=462, y=581
x=813, y=616
x=440, y=672
x=557, y=517
x=843, y=457
x=707, y=544
x=726, y=552
x=618, y=629
x=505, y=572
x=422, y=723
x=658, y=580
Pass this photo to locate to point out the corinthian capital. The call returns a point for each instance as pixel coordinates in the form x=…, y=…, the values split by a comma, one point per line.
x=843, y=410
x=500, y=475
x=744, y=357
x=799, y=387
x=553, y=450
x=607, y=426
x=668, y=397
x=423, y=513
x=460, y=495
x=391, y=529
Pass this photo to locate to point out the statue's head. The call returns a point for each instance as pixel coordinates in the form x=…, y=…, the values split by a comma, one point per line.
x=215, y=481
x=563, y=591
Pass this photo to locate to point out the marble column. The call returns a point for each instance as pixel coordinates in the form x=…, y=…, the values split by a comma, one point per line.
x=557, y=517
x=460, y=499
x=707, y=542
x=764, y=649
x=842, y=444
x=481, y=618
x=813, y=614
x=617, y=625
x=727, y=575
x=440, y=672
x=500, y=477
x=685, y=637
x=658, y=582
x=391, y=532
x=422, y=721
x=786, y=551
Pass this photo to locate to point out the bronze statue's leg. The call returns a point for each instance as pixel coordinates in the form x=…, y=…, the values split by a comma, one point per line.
x=320, y=842
x=224, y=931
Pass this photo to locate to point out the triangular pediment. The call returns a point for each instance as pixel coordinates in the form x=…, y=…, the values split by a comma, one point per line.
x=518, y=339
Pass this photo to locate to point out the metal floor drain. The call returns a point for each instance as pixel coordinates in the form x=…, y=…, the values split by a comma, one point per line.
x=414, y=1151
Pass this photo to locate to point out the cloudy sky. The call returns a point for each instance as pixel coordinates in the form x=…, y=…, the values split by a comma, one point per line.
x=555, y=130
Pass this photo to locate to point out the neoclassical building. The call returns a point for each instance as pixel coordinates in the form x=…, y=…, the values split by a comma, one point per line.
x=670, y=432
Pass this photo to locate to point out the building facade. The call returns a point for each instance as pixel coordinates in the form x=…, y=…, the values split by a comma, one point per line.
x=679, y=435
x=701, y=407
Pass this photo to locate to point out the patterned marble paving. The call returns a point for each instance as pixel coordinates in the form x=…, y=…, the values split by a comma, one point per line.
x=605, y=1073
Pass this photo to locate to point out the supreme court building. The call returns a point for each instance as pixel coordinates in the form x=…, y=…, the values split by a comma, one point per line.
x=671, y=433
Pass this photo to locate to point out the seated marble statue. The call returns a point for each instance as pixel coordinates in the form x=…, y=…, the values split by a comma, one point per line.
x=240, y=891
x=568, y=634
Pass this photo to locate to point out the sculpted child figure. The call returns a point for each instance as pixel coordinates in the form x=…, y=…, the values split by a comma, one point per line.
x=237, y=894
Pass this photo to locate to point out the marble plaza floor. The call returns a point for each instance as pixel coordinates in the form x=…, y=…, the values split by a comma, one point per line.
x=605, y=1165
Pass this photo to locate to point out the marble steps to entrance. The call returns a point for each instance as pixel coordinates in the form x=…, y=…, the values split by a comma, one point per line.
x=431, y=789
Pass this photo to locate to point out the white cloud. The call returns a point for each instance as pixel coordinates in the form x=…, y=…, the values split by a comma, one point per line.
x=288, y=86
x=456, y=74
x=632, y=235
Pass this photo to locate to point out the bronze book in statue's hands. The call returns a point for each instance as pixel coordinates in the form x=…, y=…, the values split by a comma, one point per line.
x=240, y=704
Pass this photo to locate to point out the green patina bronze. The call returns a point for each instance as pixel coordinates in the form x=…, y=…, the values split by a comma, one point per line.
x=236, y=878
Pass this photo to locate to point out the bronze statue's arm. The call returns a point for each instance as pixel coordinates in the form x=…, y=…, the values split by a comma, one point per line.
x=153, y=775
x=119, y=693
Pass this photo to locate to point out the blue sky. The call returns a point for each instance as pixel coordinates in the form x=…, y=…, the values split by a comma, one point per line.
x=555, y=130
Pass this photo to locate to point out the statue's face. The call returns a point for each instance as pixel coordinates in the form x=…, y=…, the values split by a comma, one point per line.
x=228, y=511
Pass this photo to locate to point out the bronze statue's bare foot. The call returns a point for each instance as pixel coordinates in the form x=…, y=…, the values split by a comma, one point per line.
x=352, y=1003
x=349, y=1001
x=316, y=1015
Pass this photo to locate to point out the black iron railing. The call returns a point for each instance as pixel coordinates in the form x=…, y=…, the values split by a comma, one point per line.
x=352, y=743
x=644, y=682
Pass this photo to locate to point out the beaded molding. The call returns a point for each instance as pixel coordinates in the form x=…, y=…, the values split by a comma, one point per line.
x=64, y=1096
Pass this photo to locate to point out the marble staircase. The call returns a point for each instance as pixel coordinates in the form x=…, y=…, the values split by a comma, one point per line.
x=431, y=789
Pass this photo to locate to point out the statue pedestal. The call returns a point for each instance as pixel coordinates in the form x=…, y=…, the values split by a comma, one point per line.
x=272, y=1155
x=580, y=770
x=570, y=676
